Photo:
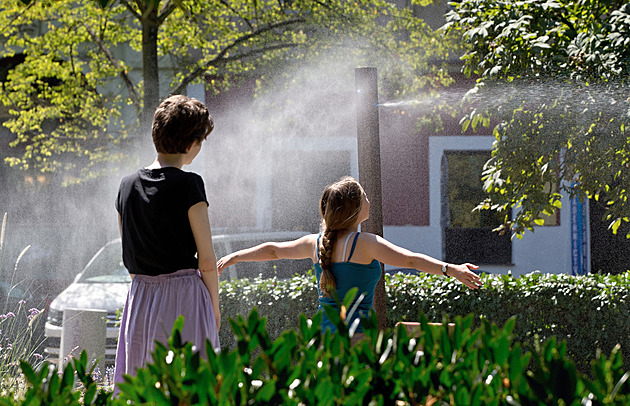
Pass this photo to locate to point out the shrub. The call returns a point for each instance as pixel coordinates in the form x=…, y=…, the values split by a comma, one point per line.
x=467, y=366
x=589, y=312
x=72, y=386
x=280, y=300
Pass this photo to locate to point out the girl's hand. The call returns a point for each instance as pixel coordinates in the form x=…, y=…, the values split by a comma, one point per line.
x=464, y=274
x=225, y=262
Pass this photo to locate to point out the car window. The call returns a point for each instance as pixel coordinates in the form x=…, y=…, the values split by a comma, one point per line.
x=106, y=267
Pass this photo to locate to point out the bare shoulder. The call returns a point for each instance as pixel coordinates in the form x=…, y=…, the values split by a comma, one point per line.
x=377, y=245
x=369, y=238
x=367, y=244
x=308, y=239
x=303, y=247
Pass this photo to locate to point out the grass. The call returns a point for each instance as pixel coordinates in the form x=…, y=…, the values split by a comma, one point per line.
x=21, y=322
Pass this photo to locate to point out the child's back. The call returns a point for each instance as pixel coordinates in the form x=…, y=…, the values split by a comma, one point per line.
x=349, y=274
x=167, y=242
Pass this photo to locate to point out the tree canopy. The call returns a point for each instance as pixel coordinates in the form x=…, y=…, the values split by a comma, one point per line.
x=81, y=76
x=553, y=84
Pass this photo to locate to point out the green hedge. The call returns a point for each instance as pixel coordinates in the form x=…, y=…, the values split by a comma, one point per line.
x=280, y=300
x=589, y=312
x=465, y=366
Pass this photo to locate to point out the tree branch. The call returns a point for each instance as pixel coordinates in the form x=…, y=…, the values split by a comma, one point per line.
x=130, y=9
x=214, y=61
x=141, y=5
x=18, y=15
x=148, y=9
x=122, y=72
x=568, y=23
x=168, y=8
x=232, y=9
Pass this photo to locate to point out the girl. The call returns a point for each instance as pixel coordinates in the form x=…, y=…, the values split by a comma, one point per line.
x=166, y=238
x=344, y=258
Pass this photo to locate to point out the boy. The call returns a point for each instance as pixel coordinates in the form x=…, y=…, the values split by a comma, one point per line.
x=167, y=242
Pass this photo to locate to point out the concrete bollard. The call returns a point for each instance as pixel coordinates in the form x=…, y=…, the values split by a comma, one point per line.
x=83, y=329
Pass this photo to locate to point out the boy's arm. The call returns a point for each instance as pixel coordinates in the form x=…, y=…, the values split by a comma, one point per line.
x=200, y=225
x=301, y=248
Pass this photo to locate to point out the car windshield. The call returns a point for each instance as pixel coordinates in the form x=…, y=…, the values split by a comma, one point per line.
x=106, y=267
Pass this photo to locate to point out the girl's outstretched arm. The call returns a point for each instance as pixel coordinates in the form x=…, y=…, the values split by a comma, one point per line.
x=302, y=248
x=391, y=254
x=200, y=225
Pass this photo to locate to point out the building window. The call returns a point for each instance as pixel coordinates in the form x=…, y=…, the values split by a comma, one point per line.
x=468, y=234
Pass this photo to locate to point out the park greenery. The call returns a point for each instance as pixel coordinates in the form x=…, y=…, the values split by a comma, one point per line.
x=591, y=313
x=552, y=83
x=559, y=341
x=83, y=77
x=465, y=365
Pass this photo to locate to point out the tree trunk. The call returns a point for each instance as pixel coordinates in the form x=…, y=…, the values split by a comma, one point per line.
x=150, y=70
x=369, y=151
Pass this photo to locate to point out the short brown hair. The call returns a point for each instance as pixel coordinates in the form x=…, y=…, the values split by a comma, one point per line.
x=178, y=122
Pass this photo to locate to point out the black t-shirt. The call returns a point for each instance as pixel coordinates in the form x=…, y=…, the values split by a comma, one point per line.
x=156, y=234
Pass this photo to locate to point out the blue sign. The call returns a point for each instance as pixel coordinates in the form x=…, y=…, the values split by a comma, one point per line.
x=579, y=248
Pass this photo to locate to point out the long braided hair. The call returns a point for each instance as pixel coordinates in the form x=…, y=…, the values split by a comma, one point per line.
x=339, y=207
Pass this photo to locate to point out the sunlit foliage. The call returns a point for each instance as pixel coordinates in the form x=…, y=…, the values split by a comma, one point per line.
x=82, y=75
x=553, y=85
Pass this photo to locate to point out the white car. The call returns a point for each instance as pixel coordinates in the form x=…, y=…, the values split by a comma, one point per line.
x=104, y=282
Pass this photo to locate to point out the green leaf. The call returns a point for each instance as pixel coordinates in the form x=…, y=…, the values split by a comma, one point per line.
x=29, y=373
x=90, y=394
x=253, y=321
x=265, y=393
x=333, y=315
x=614, y=226
x=350, y=295
x=465, y=125
x=67, y=379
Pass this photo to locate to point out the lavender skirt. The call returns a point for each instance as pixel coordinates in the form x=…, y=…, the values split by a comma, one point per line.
x=153, y=304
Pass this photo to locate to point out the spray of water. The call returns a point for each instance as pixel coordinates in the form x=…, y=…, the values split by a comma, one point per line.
x=610, y=98
x=447, y=96
x=265, y=164
x=268, y=159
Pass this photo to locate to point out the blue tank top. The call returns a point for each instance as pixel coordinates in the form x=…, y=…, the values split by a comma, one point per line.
x=347, y=276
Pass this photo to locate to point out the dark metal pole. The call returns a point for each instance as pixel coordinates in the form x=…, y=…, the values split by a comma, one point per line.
x=366, y=85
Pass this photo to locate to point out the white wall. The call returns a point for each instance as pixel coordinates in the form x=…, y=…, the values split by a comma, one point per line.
x=548, y=249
